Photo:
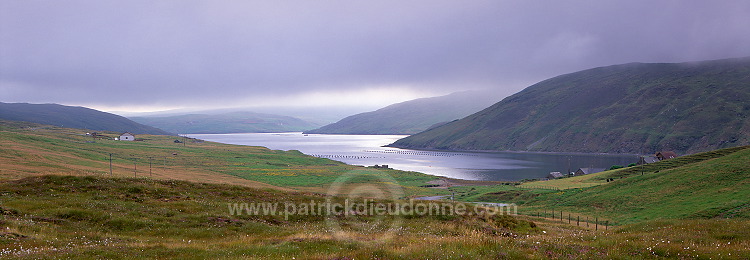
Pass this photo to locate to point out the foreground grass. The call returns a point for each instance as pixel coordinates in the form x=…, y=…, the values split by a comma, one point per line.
x=93, y=217
x=181, y=207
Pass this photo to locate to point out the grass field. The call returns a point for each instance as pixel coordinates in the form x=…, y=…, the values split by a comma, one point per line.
x=28, y=150
x=703, y=186
x=716, y=188
x=88, y=217
x=58, y=200
x=600, y=177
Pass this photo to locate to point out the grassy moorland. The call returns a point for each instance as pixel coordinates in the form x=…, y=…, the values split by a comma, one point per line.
x=58, y=200
x=701, y=186
x=29, y=149
x=91, y=217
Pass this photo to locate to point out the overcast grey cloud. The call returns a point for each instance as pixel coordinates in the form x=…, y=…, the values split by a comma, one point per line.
x=228, y=53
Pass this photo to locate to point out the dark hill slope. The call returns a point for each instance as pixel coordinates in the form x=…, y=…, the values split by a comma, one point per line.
x=73, y=117
x=630, y=108
x=234, y=122
x=412, y=116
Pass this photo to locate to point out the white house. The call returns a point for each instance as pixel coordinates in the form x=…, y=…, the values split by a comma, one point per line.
x=127, y=137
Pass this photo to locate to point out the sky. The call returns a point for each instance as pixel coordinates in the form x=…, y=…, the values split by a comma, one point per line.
x=156, y=55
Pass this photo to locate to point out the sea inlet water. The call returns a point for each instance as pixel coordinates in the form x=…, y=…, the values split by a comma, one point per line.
x=368, y=150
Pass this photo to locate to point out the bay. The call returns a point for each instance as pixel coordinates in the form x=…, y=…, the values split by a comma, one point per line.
x=368, y=150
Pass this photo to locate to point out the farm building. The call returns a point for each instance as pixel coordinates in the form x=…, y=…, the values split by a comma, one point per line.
x=647, y=160
x=127, y=137
x=665, y=155
x=554, y=175
x=584, y=171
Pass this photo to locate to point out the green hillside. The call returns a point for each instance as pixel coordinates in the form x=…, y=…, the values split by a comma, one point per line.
x=30, y=150
x=58, y=200
x=411, y=117
x=630, y=108
x=234, y=122
x=73, y=117
x=698, y=187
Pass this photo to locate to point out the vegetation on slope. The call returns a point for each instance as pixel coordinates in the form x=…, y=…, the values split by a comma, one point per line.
x=234, y=122
x=97, y=215
x=631, y=108
x=707, y=189
x=602, y=177
x=411, y=117
x=27, y=150
x=73, y=117
x=86, y=217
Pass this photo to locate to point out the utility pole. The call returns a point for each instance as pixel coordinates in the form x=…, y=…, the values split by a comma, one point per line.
x=149, y=167
x=643, y=160
x=110, y=163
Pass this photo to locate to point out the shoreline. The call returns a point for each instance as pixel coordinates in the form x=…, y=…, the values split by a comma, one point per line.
x=436, y=150
x=511, y=151
x=455, y=181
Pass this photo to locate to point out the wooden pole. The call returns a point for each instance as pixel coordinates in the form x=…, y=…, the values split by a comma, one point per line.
x=110, y=163
x=149, y=167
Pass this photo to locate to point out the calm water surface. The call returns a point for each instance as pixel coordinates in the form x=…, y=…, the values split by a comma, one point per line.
x=367, y=150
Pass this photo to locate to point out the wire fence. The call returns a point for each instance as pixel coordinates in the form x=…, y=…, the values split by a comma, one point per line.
x=538, y=187
x=578, y=220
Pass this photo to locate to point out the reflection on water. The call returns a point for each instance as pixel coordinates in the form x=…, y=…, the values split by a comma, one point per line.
x=367, y=150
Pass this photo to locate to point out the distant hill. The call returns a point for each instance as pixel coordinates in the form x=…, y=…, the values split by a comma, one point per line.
x=411, y=117
x=73, y=117
x=630, y=108
x=234, y=122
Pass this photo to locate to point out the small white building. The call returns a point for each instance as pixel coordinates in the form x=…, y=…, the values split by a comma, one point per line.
x=127, y=137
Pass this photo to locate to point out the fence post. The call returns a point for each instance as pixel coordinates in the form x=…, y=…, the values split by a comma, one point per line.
x=578, y=221
x=149, y=167
x=606, y=225
x=110, y=163
x=596, y=223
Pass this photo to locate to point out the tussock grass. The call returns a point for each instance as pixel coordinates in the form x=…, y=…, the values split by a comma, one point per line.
x=93, y=217
x=692, y=210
